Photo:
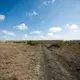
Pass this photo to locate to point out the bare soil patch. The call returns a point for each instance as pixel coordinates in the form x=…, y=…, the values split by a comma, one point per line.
x=44, y=61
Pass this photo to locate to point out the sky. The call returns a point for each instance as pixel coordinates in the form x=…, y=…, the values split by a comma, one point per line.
x=39, y=19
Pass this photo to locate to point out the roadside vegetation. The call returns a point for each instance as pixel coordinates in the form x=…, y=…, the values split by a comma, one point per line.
x=33, y=42
x=59, y=44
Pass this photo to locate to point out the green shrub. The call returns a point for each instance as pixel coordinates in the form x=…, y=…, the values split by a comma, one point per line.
x=32, y=42
x=61, y=43
x=58, y=44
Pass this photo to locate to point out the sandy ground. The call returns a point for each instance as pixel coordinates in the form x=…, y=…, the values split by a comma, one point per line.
x=19, y=61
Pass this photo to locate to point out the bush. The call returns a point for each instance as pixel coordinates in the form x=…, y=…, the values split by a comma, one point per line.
x=32, y=42
x=61, y=43
x=57, y=44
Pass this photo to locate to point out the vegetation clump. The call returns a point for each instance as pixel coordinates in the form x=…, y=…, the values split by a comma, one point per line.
x=58, y=44
x=32, y=43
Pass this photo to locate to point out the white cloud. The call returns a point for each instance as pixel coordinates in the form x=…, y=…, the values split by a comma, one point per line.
x=35, y=32
x=75, y=31
x=8, y=33
x=71, y=28
x=50, y=34
x=70, y=32
x=42, y=37
x=34, y=13
x=46, y=3
x=2, y=17
x=53, y=1
x=74, y=26
x=67, y=26
x=55, y=29
x=25, y=37
x=21, y=26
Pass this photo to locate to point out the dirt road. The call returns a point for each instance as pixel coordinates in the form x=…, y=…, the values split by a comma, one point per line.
x=21, y=62
x=55, y=68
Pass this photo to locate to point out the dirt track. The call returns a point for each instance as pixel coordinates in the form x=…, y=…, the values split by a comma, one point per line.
x=55, y=68
x=21, y=62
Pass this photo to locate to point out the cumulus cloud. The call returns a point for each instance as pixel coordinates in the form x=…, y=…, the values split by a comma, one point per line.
x=71, y=32
x=34, y=13
x=21, y=26
x=55, y=29
x=8, y=33
x=36, y=32
x=2, y=17
x=74, y=26
x=50, y=34
x=68, y=32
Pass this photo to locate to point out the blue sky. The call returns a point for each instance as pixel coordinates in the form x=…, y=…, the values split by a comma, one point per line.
x=39, y=19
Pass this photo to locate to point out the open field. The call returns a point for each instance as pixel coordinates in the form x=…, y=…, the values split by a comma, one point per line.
x=40, y=60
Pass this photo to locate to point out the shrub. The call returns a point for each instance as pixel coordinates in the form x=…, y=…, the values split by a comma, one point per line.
x=61, y=43
x=57, y=44
x=32, y=42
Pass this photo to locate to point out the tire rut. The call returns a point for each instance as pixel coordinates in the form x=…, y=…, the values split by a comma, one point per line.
x=51, y=67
